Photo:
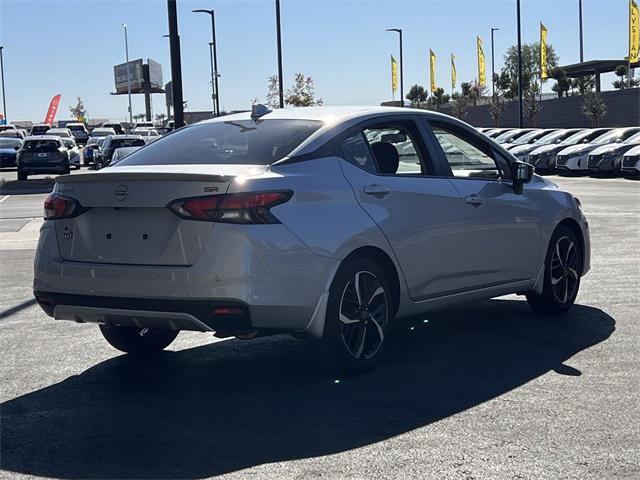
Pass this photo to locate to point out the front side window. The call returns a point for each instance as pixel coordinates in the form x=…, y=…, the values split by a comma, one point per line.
x=385, y=140
x=465, y=159
x=248, y=142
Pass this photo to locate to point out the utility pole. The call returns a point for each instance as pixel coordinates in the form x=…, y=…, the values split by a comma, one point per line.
x=519, y=66
x=4, y=100
x=279, y=40
x=399, y=31
x=215, y=92
x=126, y=53
x=493, y=67
x=176, y=65
x=581, y=38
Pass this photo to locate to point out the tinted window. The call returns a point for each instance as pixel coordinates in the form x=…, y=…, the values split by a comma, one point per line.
x=356, y=151
x=41, y=146
x=465, y=159
x=39, y=130
x=125, y=142
x=9, y=143
x=242, y=142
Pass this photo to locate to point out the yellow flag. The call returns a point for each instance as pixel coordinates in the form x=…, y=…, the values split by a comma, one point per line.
x=453, y=71
x=394, y=75
x=544, y=74
x=432, y=70
x=634, y=32
x=482, y=78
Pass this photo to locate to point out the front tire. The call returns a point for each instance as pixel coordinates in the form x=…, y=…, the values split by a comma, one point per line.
x=562, y=270
x=359, y=314
x=138, y=341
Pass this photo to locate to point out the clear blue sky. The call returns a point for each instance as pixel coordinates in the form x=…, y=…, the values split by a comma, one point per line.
x=70, y=46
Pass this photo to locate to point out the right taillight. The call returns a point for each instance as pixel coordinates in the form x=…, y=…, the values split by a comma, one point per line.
x=57, y=207
x=242, y=208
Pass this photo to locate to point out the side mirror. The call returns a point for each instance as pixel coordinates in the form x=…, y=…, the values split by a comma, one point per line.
x=522, y=173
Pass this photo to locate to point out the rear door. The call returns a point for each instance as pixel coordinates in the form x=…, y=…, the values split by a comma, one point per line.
x=389, y=167
x=502, y=242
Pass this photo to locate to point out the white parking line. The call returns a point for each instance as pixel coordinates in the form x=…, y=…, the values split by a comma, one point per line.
x=4, y=198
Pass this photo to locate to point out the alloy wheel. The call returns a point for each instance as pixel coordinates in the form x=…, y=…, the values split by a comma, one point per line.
x=564, y=270
x=363, y=314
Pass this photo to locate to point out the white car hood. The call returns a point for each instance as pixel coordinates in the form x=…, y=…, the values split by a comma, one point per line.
x=578, y=149
x=633, y=152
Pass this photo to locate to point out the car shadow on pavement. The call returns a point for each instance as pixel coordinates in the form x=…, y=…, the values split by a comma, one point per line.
x=228, y=406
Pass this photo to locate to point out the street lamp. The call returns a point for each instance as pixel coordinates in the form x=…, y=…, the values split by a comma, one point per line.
x=580, y=20
x=279, y=42
x=399, y=30
x=4, y=101
x=493, y=67
x=215, y=93
x=519, y=65
x=126, y=52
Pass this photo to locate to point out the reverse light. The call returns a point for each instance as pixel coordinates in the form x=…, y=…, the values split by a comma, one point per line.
x=242, y=208
x=57, y=207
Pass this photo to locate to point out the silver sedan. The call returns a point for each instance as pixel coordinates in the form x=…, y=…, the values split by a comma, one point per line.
x=328, y=223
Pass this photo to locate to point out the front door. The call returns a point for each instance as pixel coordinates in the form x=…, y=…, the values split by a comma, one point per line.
x=503, y=230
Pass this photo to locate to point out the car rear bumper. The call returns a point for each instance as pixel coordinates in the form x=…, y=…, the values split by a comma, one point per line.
x=264, y=269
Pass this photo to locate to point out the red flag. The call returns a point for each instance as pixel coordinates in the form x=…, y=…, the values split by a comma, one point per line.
x=53, y=109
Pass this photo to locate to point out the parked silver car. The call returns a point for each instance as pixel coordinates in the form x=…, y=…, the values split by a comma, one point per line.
x=330, y=223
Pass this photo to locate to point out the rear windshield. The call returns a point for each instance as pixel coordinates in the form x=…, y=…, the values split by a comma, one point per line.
x=39, y=130
x=76, y=127
x=9, y=143
x=233, y=142
x=126, y=142
x=41, y=146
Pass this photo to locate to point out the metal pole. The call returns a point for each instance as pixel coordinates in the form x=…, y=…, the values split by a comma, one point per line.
x=176, y=67
x=4, y=101
x=399, y=30
x=493, y=67
x=126, y=52
x=215, y=60
x=214, y=113
x=279, y=39
x=580, y=19
x=519, y=66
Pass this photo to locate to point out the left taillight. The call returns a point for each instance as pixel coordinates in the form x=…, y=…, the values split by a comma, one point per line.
x=57, y=207
x=243, y=208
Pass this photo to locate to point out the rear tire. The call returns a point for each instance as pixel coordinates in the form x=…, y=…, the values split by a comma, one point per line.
x=359, y=313
x=562, y=270
x=22, y=176
x=138, y=341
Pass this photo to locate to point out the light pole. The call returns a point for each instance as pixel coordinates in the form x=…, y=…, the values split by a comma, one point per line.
x=519, y=66
x=493, y=67
x=580, y=20
x=126, y=52
x=176, y=64
x=399, y=30
x=4, y=101
x=215, y=92
x=279, y=40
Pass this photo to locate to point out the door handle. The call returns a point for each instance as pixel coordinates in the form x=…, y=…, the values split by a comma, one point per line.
x=376, y=190
x=474, y=200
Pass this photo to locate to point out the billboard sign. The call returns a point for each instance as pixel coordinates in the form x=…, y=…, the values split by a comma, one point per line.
x=155, y=74
x=136, y=77
x=168, y=95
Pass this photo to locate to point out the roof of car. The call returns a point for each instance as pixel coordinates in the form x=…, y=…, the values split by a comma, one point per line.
x=324, y=114
x=43, y=137
x=125, y=136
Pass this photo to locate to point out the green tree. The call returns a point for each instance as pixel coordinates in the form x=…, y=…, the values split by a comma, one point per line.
x=302, y=93
x=584, y=84
x=439, y=98
x=161, y=117
x=622, y=71
x=416, y=95
x=563, y=83
x=461, y=107
x=78, y=111
x=530, y=66
x=594, y=107
x=273, y=92
x=530, y=104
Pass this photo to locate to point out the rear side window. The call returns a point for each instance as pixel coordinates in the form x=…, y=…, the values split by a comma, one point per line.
x=248, y=142
x=41, y=146
x=356, y=151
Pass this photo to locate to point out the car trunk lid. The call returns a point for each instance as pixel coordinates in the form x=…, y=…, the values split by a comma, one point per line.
x=127, y=222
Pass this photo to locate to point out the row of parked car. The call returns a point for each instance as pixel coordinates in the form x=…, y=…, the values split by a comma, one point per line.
x=596, y=151
x=58, y=150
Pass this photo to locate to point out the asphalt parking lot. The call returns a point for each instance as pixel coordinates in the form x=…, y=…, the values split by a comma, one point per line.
x=486, y=390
